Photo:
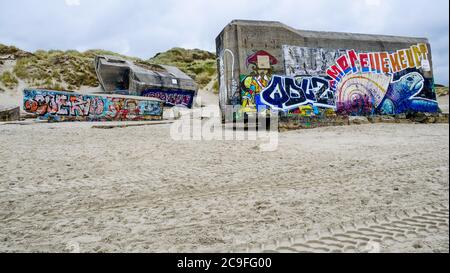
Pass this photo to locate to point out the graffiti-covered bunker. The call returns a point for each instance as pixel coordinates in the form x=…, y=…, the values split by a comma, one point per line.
x=168, y=83
x=69, y=106
x=309, y=73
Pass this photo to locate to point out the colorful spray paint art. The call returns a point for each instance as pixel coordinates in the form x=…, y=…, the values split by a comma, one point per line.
x=172, y=97
x=66, y=106
x=344, y=82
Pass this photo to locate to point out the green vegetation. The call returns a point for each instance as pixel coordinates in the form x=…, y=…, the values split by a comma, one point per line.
x=54, y=68
x=12, y=51
x=9, y=80
x=51, y=68
x=6, y=50
x=93, y=52
x=198, y=64
x=216, y=86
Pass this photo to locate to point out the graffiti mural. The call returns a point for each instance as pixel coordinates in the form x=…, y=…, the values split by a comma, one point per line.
x=261, y=65
x=358, y=83
x=288, y=93
x=410, y=92
x=261, y=62
x=309, y=61
x=361, y=94
x=65, y=106
x=171, y=97
x=325, y=82
x=251, y=87
x=318, y=89
x=352, y=62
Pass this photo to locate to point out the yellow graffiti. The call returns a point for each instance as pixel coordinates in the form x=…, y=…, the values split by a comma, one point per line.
x=251, y=87
x=306, y=111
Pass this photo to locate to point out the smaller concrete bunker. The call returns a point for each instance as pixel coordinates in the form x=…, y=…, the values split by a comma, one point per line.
x=167, y=83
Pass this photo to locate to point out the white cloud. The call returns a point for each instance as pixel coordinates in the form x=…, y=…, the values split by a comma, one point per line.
x=72, y=2
x=375, y=3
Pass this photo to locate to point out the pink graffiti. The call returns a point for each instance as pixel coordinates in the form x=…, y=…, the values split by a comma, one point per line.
x=174, y=99
x=64, y=105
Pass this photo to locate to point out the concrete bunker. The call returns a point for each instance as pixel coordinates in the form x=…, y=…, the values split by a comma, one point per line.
x=168, y=83
x=268, y=65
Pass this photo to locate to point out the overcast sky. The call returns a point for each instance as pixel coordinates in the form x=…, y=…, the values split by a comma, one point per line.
x=143, y=28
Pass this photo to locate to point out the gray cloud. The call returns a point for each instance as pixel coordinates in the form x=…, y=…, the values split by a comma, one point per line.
x=143, y=28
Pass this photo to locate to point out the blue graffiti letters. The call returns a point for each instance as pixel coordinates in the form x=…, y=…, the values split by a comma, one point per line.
x=287, y=93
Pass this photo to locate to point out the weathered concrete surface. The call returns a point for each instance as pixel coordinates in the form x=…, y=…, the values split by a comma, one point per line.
x=358, y=120
x=300, y=122
x=429, y=118
x=9, y=113
x=168, y=83
x=295, y=123
x=241, y=38
x=152, y=123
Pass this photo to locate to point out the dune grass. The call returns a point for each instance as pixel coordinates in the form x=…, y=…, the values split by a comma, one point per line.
x=198, y=64
x=9, y=80
x=71, y=69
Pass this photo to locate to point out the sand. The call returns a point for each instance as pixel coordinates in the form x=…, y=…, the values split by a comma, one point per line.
x=68, y=187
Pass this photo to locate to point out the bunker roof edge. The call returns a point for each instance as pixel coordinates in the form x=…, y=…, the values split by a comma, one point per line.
x=329, y=34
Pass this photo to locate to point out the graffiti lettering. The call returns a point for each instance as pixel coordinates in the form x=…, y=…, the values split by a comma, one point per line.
x=62, y=106
x=286, y=93
x=377, y=62
x=172, y=97
x=367, y=83
x=317, y=89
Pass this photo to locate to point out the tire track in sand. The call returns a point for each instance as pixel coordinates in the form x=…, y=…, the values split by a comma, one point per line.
x=368, y=236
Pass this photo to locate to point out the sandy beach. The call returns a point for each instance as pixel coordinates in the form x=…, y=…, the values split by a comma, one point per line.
x=226, y=128
x=68, y=187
